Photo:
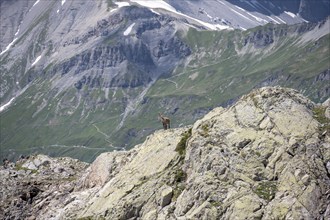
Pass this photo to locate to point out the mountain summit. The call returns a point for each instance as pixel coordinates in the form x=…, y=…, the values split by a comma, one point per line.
x=265, y=157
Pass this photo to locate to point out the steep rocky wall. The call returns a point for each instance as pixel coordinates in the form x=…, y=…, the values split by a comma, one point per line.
x=11, y=17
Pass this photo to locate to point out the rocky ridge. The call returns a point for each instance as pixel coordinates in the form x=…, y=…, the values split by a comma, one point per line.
x=110, y=66
x=265, y=157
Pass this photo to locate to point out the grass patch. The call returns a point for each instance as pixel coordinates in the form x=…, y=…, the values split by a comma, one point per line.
x=179, y=183
x=70, y=179
x=205, y=130
x=181, y=146
x=215, y=203
x=20, y=167
x=180, y=176
x=266, y=190
x=177, y=191
x=319, y=115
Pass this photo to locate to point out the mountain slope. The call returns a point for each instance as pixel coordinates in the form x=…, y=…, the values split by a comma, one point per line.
x=265, y=157
x=89, y=77
x=248, y=14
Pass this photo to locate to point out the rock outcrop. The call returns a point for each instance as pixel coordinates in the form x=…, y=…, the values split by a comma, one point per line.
x=130, y=60
x=265, y=157
x=34, y=186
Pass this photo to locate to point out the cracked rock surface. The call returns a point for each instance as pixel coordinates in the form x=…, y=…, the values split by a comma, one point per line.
x=35, y=186
x=265, y=157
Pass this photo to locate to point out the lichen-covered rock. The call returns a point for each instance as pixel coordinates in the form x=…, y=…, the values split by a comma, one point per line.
x=265, y=157
x=132, y=192
x=30, y=186
x=260, y=142
x=105, y=166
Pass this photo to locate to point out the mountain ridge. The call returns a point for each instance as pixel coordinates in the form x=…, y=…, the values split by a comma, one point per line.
x=94, y=76
x=267, y=156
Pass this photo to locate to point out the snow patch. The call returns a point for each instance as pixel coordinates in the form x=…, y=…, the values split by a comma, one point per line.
x=8, y=47
x=129, y=29
x=290, y=14
x=119, y=4
x=255, y=17
x=163, y=5
x=153, y=11
x=273, y=20
x=241, y=14
x=155, y=4
x=3, y=107
x=221, y=2
x=280, y=20
x=35, y=3
x=57, y=11
x=209, y=16
x=114, y=93
x=63, y=1
x=36, y=61
x=17, y=31
x=122, y=4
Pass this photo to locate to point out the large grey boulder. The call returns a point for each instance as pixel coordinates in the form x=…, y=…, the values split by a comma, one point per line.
x=166, y=196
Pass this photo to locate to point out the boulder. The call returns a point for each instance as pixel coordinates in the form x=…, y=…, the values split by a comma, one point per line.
x=166, y=196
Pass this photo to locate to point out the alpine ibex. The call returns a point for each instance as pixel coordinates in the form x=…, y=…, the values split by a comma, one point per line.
x=166, y=121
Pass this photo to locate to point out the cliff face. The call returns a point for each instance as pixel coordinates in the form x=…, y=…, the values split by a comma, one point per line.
x=265, y=157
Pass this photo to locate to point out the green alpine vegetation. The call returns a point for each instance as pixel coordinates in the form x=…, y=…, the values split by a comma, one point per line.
x=63, y=113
